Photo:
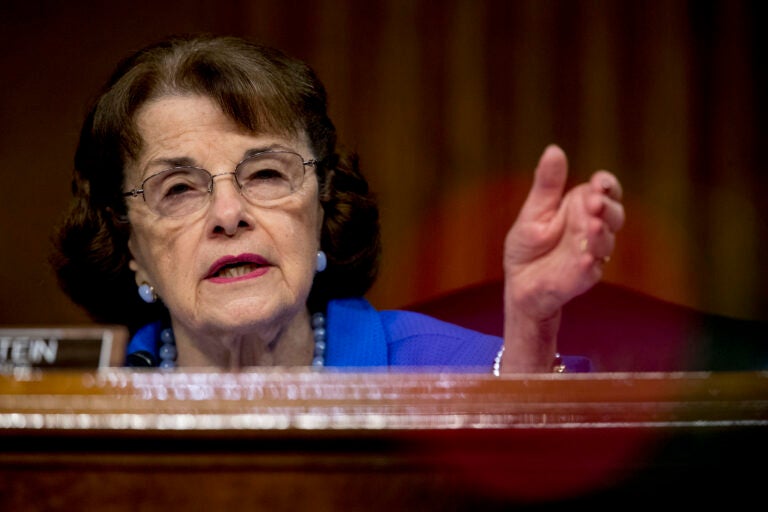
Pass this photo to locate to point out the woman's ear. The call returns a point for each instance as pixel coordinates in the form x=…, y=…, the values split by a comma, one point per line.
x=320, y=218
x=139, y=274
x=145, y=287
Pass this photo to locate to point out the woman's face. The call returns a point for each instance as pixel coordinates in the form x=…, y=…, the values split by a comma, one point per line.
x=269, y=252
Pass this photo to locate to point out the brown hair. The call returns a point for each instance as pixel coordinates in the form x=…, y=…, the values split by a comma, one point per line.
x=259, y=88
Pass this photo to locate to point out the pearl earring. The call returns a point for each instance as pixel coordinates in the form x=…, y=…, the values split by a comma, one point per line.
x=322, y=261
x=147, y=293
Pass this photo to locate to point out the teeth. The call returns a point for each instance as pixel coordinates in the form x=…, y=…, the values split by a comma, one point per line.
x=236, y=270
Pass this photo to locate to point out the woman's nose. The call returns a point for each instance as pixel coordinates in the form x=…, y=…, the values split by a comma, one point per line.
x=227, y=209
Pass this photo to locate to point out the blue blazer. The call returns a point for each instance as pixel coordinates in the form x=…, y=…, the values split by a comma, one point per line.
x=359, y=336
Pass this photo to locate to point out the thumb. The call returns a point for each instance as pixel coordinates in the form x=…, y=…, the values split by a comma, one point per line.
x=548, y=184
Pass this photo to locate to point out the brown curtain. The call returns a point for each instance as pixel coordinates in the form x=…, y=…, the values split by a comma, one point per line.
x=449, y=104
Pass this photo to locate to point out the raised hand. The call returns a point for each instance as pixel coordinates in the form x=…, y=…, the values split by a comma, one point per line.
x=555, y=251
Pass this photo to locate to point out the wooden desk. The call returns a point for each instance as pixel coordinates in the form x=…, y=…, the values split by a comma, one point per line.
x=302, y=440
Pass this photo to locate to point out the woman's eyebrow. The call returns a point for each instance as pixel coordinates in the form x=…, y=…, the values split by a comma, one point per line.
x=180, y=161
x=185, y=161
x=255, y=151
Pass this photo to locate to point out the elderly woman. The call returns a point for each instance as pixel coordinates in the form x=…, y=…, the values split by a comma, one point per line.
x=208, y=180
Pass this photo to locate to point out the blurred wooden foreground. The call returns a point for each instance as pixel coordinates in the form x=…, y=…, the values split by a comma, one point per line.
x=297, y=440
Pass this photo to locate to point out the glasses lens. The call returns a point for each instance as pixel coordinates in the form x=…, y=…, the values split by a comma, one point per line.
x=177, y=191
x=270, y=175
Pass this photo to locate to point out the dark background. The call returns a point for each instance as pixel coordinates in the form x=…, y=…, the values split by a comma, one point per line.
x=449, y=104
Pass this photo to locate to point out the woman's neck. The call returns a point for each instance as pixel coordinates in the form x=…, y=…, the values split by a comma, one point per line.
x=292, y=345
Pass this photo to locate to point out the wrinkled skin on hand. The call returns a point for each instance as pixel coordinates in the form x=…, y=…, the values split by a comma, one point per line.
x=555, y=250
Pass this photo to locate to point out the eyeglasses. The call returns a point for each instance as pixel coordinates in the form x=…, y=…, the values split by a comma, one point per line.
x=262, y=178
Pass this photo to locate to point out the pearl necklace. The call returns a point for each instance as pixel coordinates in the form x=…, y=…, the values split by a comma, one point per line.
x=168, y=352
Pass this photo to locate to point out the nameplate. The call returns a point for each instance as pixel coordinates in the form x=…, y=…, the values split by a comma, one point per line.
x=66, y=347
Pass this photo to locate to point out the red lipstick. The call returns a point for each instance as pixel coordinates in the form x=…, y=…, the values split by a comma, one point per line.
x=229, y=269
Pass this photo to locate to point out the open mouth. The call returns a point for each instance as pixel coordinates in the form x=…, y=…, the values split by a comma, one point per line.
x=234, y=267
x=236, y=270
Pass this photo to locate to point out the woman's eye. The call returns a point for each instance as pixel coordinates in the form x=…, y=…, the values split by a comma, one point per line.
x=175, y=184
x=264, y=175
x=177, y=189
